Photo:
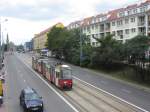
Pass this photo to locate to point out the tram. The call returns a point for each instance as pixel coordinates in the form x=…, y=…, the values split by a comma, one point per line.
x=35, y=62
x=61, y=76
x=57, y=73
x=40, y=64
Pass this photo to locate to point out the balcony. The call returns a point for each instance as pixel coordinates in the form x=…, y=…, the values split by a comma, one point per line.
x=101, y=29
x=142, y=23
x=107, y=29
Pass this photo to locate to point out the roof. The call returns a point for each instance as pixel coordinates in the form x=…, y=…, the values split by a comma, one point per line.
x=59, y=24
x=66, y=66
x=112, y=14
x=28, y=90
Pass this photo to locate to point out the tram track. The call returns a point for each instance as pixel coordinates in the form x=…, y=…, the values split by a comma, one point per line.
x=92, y=99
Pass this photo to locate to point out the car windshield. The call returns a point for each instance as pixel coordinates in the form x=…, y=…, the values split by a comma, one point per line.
x=66, y=74
x=31, y=96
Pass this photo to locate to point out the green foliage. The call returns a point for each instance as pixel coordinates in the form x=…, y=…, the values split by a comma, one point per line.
x=109, y=51
x=136, y=47
x=66, y=43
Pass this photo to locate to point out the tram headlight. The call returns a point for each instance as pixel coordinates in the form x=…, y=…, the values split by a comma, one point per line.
x=65, y=82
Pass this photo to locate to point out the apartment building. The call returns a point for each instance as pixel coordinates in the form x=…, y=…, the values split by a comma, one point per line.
x=124, y=23
x=40, y=39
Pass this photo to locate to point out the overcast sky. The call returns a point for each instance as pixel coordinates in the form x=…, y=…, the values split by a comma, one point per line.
x=28, y=17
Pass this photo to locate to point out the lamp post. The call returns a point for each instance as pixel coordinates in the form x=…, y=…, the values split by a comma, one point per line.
x=81, y=49
x=1, y=58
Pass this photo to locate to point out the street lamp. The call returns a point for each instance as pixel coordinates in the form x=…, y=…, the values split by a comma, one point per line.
x=0, y=41
x=81, y=49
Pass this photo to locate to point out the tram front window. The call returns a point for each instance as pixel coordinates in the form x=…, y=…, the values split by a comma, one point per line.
x=66, y=74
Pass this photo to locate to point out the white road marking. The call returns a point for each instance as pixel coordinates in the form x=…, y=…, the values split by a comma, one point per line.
x=126, y=91
x=24, y=81
x=66, y=101
x=111, y=95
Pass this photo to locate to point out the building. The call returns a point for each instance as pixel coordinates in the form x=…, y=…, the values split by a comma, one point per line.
x=124, y=23
x=40, y=39
x=28, y=46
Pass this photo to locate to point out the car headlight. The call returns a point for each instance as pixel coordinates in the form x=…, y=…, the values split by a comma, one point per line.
x=41, y=104
x=28, y=106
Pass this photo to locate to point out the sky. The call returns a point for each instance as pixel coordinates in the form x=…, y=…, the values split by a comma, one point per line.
x=29, y=17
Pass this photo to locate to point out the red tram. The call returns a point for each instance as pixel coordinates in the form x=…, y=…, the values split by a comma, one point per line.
x=40, y=65
x=61, y=76
x=57, y=73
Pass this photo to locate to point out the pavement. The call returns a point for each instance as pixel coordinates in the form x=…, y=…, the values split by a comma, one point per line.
x=19, y=76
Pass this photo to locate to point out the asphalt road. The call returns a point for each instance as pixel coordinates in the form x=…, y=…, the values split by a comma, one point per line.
x=19, y=76
x=131, y=94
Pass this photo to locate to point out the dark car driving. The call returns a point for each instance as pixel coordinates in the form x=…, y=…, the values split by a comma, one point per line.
x=31, y=101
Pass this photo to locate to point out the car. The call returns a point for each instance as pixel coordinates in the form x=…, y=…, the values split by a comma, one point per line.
x=30, y=100
x=2, y=78
x=1, y=93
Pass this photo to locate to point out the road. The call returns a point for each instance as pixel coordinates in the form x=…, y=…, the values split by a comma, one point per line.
x=19, y=76
x=131, y=94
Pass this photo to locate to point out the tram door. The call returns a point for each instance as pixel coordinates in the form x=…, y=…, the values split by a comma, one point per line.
x=57, y=78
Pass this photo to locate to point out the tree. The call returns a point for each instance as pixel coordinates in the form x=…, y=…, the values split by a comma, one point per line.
x=110, y=51
x=55, y=40
x=66, y=43
x=136, y=48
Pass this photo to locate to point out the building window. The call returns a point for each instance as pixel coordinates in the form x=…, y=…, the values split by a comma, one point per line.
x=113, y=23
x=132, y=19
x=96, y=27
x=129, y=12
x=127, y=31
x=92, y=27
x=133, y=30
x=114, y=33
x=126, y=21
x=121, y=14
x=135, y=11
x=119, y=22
x=93, y=43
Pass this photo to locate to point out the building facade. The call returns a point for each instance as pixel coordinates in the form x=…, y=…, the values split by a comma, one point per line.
x=124, y=23
x=40, y=39
x=28, y=46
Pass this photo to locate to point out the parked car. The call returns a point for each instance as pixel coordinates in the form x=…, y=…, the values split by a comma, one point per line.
x=2, y=75
x=30, y=100
x=1, y=93
x=2, y=78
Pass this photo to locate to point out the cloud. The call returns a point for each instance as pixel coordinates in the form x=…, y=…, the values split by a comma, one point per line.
x=28, y=17
x=50, y=9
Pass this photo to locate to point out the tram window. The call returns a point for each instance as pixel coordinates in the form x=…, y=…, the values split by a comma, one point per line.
x=66, y=74
x=57, y=74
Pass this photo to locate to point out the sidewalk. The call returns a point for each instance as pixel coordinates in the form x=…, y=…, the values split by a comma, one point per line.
x=2, y=108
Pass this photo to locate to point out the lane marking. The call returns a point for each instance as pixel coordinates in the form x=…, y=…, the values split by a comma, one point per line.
x=66, y=101
x=24, y=81
x=111, y=95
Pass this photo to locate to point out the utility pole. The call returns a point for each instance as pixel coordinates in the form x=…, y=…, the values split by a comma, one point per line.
x=7, y=42
x=81, y=49
x=1, y=58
